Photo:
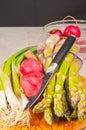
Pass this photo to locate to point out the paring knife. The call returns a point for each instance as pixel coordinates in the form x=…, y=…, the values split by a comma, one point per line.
x=53, y=66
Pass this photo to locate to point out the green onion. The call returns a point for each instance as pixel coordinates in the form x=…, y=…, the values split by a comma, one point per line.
x=3, y=102
x=7, y=64
x=12, y=102
x=15, y=65
x=11, y=98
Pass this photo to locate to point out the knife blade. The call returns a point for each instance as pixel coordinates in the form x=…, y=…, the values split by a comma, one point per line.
x=52, y=68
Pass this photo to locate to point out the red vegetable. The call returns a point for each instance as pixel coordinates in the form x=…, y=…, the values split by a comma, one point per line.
x=31, y=83
x=56, y=31
x=72, y=29
x=30, y=65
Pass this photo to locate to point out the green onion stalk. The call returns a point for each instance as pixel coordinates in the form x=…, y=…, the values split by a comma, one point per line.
x=16, y=85
x=7, y=64
x=3, y=102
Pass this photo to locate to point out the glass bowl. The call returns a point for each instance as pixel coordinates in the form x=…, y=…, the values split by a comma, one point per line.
x=82, y=40
x=63, y=23
x=61, y=26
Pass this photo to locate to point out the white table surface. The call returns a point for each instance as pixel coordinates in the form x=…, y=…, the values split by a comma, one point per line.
x=13, y=39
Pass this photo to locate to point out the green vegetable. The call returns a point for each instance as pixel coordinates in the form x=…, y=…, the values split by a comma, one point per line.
x=3, y=102
x=82, y=102
x=13, y=101
x=47, y=51
x=60, y=102
x=15, y=65
x=7, y=64
x=47, y=97
x=77, y=93
x=15, y=80
x=10, y=67
x=48, y=115
x=73, y=76
x=11, y=98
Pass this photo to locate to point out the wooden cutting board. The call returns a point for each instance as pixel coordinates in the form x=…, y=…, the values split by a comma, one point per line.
x=38, y=123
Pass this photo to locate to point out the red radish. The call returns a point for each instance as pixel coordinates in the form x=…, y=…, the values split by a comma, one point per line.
x=38, y=75
x=56, y=31
x=72, y=29
x=31, y=83
x=82, y=44
x=30, y=65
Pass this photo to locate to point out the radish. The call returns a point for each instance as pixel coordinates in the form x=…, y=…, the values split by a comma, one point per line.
x=72, y=29
x=31, y=83
x=30, y=65
x=56, y=31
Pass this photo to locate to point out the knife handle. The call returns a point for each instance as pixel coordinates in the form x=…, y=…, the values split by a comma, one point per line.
x=64, y=50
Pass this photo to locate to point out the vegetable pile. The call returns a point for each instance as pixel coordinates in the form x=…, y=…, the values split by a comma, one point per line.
x=21, y=77
x=65, y=95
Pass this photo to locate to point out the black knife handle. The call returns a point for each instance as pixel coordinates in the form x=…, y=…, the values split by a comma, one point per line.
x=64, y=50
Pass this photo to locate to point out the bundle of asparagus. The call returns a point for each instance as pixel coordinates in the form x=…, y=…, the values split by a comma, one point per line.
x=64, y=95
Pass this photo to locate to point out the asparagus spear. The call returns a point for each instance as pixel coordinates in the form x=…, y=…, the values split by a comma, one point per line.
x=72, y=112
x=48, y=115
x=46, y=104
x=82, y=102
x=48, y=111
x=60, y=103
x=73, y=75
x=76, y=90
x=47, y=97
